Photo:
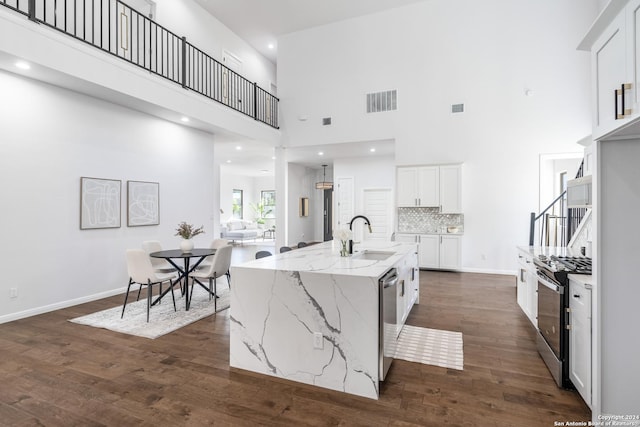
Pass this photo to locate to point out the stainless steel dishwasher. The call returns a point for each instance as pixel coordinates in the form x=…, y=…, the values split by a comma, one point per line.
x=388, y=321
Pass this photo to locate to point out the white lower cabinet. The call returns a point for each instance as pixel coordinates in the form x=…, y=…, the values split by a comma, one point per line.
x=580, y=338
x=450, y=252
x=527, y=287
x=429, y=251
x=436, y=251
x=408, y=288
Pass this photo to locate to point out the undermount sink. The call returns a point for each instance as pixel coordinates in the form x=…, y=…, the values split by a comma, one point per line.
x=373, y=255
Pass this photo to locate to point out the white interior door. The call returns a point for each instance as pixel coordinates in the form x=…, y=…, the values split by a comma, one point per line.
x=378, y=207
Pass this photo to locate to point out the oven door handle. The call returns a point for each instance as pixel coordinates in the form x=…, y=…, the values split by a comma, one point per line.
x=553, y=286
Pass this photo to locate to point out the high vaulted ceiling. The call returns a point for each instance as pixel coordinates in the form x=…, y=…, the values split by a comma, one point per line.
x=260, y=22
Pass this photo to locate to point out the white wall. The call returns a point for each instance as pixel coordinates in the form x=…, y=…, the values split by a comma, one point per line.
x=50, y=138
x=367, y=173
x=187, y=18
x=301, y=183
x=437, y=53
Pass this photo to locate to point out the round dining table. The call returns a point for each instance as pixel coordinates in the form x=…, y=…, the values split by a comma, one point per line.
x=187, y=268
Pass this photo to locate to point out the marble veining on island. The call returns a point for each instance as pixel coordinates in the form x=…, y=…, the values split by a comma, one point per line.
x=279, y=303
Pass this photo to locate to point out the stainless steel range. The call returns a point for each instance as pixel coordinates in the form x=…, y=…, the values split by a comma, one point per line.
x=553, y=313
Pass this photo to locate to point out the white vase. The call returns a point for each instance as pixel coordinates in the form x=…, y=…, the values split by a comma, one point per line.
x=186, y=245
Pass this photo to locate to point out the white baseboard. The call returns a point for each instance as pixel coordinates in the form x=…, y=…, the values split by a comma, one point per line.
x=489, y=271
x=59, y=305
x=478, y=270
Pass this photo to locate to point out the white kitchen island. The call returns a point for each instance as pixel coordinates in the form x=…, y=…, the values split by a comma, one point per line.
x=285, y=306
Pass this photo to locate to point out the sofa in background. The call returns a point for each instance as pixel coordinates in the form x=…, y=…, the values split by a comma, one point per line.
x=238, y=230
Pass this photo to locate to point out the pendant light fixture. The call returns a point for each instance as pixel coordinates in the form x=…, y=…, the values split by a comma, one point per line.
x=324, y=185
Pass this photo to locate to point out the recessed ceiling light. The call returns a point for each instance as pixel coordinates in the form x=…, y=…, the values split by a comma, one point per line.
x=185, y=119
x=23, y=65
x=264, y=171
x=271, y=46
x=372, y=150
x=273, y=157
x=320, y=153
x=228, y=161
x=238, y=148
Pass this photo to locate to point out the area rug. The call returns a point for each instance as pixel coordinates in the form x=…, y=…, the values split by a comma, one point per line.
x=162, y=318
x=430, y=346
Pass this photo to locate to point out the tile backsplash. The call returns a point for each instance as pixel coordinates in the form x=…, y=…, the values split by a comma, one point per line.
x=427, y=220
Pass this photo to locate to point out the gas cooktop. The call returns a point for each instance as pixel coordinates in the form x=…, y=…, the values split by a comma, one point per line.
x=568, y=264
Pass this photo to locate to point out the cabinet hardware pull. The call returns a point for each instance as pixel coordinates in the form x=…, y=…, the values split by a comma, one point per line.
x=625, y=112
x=576, y=296
x=622, y=101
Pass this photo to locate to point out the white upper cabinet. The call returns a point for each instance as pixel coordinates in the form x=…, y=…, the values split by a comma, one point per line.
x=430, y=186
x=616, y=71
x=450, y=189
x=407, y=187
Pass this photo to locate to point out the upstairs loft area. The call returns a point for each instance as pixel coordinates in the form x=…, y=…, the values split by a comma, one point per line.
x=116, y=28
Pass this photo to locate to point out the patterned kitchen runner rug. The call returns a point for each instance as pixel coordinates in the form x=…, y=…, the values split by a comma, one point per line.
x=430, y=346
x=162, y=318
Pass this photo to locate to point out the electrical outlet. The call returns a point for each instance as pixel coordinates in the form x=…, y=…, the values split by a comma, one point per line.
x=13, y=292
x=318, y=340
x=483, y=257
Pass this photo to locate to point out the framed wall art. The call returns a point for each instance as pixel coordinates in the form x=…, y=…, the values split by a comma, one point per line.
x=99, y=203
x=143, y=203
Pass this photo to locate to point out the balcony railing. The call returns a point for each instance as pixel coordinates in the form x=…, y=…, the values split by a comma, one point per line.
x=114, y=27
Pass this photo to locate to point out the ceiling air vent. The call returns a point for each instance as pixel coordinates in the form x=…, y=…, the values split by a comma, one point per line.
x=457, y=108
x=326, y=121
x=382, y=101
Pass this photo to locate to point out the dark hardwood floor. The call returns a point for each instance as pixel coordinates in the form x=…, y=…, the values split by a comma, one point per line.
x=56, y=373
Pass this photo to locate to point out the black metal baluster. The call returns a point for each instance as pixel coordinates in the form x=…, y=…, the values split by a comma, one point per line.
x=117, y=21
x=144, y=44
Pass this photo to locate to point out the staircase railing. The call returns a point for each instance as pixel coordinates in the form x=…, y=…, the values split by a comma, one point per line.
x=116, y=28
x=556, y=224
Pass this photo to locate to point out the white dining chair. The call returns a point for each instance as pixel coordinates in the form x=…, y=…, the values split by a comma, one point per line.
x=159, y=264
x=215, y=244
x=219, y=267
x=142, y=272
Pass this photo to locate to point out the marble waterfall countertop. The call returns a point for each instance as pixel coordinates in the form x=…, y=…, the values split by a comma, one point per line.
x=325, y=258
x=312, y=316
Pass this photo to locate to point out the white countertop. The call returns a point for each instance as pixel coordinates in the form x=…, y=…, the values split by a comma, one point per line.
x=550, y=250
x=585, y=279
x=325, y=258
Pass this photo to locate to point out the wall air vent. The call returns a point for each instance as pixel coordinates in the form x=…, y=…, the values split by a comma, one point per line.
x=382, y=101
x=326, y=121
x=457, y=108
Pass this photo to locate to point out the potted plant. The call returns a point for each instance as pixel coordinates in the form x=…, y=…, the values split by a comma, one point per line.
x=261, y=211
x=187, y=232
